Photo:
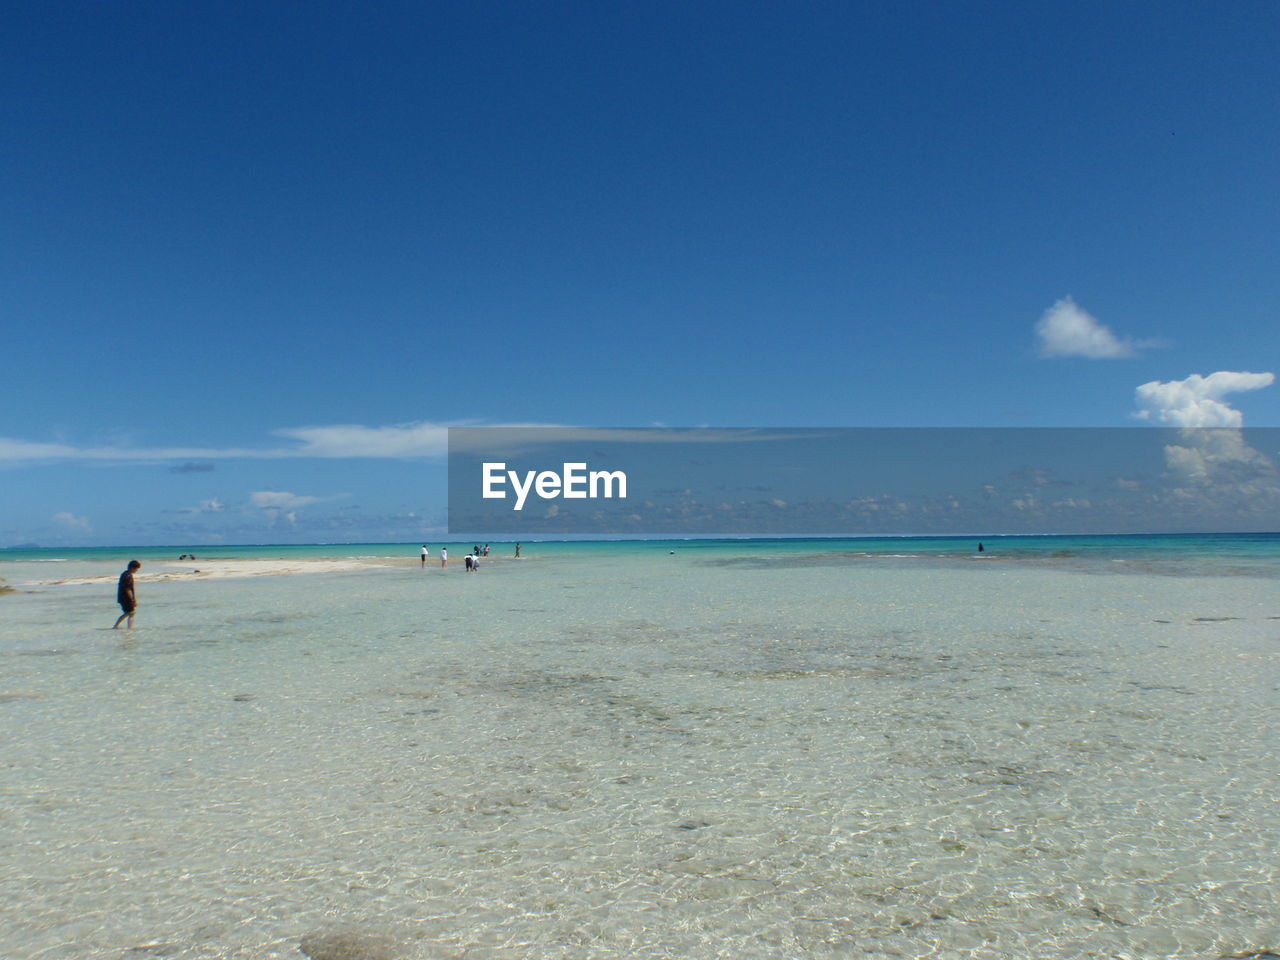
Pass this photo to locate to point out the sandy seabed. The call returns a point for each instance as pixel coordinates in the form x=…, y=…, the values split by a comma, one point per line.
x=639, y=755
x=223, y=569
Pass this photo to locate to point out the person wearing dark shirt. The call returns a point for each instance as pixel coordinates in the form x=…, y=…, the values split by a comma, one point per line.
x=126, y=596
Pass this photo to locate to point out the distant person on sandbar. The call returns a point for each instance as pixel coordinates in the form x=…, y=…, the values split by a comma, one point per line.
x=126, y=595
x=444, y=556
x=425, y=554
x=517, y=550
x=469, y=561
x=979, y=547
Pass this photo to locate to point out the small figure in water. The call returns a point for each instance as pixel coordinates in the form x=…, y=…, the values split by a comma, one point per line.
x=517, y=549
x=979, y=547
x=126, y=596
x=425, y=554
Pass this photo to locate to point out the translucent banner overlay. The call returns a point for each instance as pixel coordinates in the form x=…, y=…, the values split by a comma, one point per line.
x=536, y=481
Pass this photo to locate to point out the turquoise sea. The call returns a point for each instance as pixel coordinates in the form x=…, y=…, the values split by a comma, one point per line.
x=1059, y=747
x=1257, y=553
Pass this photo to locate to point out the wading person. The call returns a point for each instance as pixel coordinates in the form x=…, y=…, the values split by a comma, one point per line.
x=126, y=595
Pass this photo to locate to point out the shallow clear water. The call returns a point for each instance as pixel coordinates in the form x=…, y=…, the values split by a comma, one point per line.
x=616, y=753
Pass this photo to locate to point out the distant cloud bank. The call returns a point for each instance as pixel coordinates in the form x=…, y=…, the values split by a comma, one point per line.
x=405, y=441
x=72, y=522
x=280, y=500
x=408, y=440
x=354, y=440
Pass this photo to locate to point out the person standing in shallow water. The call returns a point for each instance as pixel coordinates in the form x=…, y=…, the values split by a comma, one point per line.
x=126, y=595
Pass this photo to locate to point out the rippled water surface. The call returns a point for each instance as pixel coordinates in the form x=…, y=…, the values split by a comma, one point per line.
x=608, y=755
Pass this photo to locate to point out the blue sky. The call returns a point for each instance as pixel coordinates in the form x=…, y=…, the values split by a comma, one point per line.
x=223, y=225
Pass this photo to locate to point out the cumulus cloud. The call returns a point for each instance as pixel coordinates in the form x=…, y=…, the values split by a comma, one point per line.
x=1212, y=463
x=1197, y=401
x=1215, y=456
x=71, y=521
x=1067, y=330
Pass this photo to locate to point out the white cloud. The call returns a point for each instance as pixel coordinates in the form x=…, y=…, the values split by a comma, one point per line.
x=283, y=505
x=341, y=440
x=1197, y=401
x=11, y=449
x=1067, y=330
x=354, y=441
x=1215, y=456
x=206, y=506
x=1215, y=465
x=280, y=500
x=71, y=521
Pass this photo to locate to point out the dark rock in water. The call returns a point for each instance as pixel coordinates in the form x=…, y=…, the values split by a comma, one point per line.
x=350, y=945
